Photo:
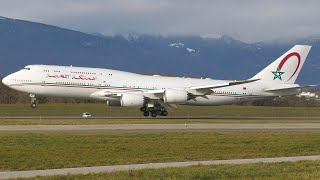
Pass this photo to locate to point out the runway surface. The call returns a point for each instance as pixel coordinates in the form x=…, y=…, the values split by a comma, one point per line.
x=100, y=169
x=167, y=117
x=308, y=127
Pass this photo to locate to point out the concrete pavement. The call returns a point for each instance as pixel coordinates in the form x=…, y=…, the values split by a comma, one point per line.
x=303, y=127
x=100, y=169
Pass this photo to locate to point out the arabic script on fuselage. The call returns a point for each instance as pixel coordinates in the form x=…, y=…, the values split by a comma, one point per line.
x=66, y=76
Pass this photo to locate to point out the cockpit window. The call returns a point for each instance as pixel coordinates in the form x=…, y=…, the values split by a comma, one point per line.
x=26, y=68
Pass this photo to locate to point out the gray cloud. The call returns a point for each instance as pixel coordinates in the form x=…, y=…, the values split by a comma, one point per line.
x=247, y=20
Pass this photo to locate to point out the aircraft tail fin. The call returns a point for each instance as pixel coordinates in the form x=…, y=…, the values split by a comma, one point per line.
x=286, y=68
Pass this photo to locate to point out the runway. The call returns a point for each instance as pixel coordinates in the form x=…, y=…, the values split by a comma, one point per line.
x=159, y=117
x=101, y=169
x=235, y=127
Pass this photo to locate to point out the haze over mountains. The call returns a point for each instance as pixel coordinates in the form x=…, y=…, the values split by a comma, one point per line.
x=24, y=42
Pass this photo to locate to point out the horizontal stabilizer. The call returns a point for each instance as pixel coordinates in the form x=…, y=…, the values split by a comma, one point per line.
x=288, y=88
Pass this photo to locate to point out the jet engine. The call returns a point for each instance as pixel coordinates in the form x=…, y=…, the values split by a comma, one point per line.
x=173, y=96
x=114, y=103
x=128, y=100
x=132, y=100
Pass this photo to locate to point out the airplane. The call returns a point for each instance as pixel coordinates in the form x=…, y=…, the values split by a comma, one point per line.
x=156, y=94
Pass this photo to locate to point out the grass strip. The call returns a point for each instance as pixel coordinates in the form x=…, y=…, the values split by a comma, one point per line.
x=286, y=170
x=43, y=151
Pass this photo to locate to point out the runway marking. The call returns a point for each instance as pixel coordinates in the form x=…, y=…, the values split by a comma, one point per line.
x=165, y=118
x=100, y=169
x=161, y=128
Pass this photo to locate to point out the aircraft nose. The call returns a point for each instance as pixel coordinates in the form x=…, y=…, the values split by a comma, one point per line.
x=5, y=80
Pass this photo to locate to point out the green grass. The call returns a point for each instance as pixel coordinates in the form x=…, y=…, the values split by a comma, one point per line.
x=141, y=121
x=103, y=110
x=43, y=151
x=287, y=170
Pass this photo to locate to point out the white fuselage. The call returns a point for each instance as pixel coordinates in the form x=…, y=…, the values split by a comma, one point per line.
x=78, y=82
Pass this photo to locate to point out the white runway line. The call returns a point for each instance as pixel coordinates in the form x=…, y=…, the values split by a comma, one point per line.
x=100, y=169
x=159, y=118
x=162, y=127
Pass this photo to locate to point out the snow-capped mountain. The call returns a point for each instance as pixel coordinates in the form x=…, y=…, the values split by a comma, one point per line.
x=24, y=42
x=181, y=45
x=176, y=45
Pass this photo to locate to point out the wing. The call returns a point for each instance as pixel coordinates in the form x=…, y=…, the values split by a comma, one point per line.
x=207, y=89
x=157, y=95
x=193, y=91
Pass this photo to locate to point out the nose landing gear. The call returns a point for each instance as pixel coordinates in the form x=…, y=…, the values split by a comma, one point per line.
x=33, y=100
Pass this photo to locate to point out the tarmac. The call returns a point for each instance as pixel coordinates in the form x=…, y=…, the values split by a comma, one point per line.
x=101, y=169
x=234, y=127
x=159, y=117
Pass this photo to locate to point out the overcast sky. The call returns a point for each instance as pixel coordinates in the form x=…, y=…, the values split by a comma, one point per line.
x=247, y=20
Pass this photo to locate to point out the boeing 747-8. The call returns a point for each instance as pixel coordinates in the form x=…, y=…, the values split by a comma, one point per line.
x=155, y=94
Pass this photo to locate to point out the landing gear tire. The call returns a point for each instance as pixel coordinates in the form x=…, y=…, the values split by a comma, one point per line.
x=154, y=114
x=143, y=109
x=154, y=111
x=146, y=114
x=34, y=105
x=164, y=113
x=33, y=100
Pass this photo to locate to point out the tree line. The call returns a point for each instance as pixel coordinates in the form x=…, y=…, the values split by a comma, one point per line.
x=286, y=101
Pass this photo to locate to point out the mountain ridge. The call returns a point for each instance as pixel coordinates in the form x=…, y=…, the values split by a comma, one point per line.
x=24, y=42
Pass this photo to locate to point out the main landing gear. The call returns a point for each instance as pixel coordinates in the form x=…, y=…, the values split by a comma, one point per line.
x=154, y=111
x=33, y=100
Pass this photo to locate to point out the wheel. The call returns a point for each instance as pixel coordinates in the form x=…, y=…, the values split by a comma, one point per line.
x=143, y=109
x=146, y=114
x=164, y=113
x=158, y=112
x=33, y=105
x=154, y=114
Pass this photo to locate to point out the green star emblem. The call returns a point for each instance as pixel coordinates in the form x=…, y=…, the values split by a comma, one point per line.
x=277, y=74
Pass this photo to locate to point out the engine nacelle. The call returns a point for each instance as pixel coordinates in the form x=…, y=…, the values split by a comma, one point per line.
x=114, y=103
x=128, y=100
x=132, y=100
x=173, y=96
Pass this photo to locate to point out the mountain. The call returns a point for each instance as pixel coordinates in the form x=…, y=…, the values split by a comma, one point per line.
x=23, y=42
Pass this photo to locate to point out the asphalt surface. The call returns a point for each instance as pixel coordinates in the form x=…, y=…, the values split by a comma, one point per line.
x=159, y=117
x=100, y=169
x=304, y=127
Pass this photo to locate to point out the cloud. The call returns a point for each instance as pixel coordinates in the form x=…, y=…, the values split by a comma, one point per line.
x=247, y=20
